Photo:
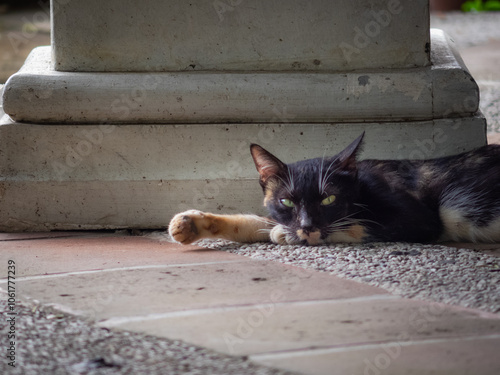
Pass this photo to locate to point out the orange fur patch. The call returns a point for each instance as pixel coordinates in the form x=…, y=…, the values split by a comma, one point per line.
x=357, y=232
x=268, y=196
x=313, y=238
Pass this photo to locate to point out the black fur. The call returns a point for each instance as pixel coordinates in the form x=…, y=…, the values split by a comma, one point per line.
x=393, y=200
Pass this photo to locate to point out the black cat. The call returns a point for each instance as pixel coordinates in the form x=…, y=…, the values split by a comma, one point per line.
x=340, y=199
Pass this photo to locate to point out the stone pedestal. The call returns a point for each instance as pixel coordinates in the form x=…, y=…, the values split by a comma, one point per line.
x=235, y=35
x=140, y=110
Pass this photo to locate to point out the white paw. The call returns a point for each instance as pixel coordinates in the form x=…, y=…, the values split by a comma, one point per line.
x=280, y=235
x=183, y=228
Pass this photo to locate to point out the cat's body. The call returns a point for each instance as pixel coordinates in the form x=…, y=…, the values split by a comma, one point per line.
x=340, y=199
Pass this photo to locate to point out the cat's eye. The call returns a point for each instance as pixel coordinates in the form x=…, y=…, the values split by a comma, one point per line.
x=328, y=201
x=287, y=203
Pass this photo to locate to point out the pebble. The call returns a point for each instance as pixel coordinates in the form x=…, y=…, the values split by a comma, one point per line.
x=70, y=345
x=431, y=272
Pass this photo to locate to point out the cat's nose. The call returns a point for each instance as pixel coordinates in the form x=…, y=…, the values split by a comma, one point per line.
x=308, y=230
x=306, y=222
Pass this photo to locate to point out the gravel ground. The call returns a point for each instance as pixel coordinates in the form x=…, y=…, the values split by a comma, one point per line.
x=49, y=342
x=490, y=104
x=430, y=272
x=468, y=29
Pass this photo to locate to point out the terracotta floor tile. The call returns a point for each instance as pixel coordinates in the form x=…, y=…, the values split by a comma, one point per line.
x=290, y=326
x=69, y=254
x=160, y=288
x=472, y=356
x=44, y=235
x=238, y=305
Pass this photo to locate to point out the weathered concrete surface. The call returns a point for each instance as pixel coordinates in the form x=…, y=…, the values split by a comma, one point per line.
x=107, y=176
x=41, y=95
x=70, y=176
x=175, y=35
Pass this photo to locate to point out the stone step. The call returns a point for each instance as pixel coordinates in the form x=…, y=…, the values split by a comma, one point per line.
x=115, y=176
x=444, y=89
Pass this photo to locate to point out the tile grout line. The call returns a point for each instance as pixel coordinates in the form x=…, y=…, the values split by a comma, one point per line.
x=132, y=268
x=350, y=348
x=78, y=237
x=118, y=321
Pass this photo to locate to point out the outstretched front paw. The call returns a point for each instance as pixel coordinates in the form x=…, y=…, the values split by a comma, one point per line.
x=184, y=227
x=281, y=236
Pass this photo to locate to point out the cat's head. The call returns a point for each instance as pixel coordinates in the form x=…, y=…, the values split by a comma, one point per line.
x=310, y=198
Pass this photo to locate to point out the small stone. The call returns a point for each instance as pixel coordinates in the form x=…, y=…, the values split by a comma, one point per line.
x=396, y=253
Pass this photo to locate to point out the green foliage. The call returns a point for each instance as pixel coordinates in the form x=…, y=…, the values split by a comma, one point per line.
x=479, y=5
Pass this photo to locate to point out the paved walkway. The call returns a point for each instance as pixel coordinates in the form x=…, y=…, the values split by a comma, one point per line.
x=278, y=315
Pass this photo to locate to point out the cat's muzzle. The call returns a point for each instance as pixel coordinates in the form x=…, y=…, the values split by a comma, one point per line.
x=310, y=236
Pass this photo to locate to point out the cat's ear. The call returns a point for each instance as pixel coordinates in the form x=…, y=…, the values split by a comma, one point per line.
x=348, y=158
x=266, y=163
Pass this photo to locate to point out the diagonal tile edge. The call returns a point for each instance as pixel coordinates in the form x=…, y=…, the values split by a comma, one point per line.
x=151, y=266
x=357, y=347
x=118, y=321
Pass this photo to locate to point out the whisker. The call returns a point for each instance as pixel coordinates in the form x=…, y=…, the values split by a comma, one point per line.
x=265, y=220
x=288, y=184
x=320, y=180
x=291, y=184
x=347, y=220
x=364, y=207
x=264, y=230
x=360, y=205
x=326, y=176
x=332, y=172
x=346, y=217
x=339, y=225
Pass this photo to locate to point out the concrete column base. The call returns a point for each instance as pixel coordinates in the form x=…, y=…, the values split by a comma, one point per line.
x=39, y=94
x=82, y=173
x=66, y=177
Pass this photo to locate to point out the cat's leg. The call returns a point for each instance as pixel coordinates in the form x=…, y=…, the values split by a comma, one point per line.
x=282, y=236
x=190, y=226
x=355, y=233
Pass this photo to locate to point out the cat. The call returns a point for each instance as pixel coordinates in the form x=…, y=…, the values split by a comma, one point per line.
x=340, y=199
